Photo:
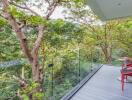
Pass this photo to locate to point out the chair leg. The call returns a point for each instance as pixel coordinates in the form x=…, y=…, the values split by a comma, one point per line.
x=122, y=81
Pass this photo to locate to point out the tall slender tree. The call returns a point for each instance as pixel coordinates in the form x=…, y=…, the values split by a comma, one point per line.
x=20, y=15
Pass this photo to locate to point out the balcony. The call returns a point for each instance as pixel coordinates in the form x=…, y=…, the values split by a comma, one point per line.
x=104, y=85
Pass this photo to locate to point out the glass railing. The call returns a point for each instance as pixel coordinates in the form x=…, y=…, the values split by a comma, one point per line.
x=63, y=73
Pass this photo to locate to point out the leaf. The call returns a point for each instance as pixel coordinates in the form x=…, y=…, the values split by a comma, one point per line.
x=25, y=97
x=36, y=20
x=2, y=22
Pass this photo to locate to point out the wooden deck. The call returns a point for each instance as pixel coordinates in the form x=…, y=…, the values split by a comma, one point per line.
x=104, y=86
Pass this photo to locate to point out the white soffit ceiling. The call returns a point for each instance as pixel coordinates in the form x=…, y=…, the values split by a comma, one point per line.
x=111, y=9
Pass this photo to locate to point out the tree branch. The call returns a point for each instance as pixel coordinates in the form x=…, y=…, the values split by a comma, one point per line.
x=48, y=2
x=38, y=40
x=20, y=35
x=3, y=16
x=51, y=8
x=25, y=8
x=42, y=28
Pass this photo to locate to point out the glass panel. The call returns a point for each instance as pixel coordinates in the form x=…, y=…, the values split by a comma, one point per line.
x=63, y=73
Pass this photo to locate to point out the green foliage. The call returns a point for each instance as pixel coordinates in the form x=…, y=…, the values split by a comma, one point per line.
x=61, y=42
x=9, y=48
x=14, y=12
x=8, y=86
x=18, y=1
x=124, y=37
x=25, y=97
x=36, y=20
x=29, y=19
x=67, y=46
x=38, y=96
x=2, y=22
x=31, y=86
x=60, y=33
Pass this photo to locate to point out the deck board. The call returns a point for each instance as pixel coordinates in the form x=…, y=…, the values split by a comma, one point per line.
x=104, y=86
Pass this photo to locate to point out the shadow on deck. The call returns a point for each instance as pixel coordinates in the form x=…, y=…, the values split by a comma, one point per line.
x=104, y=86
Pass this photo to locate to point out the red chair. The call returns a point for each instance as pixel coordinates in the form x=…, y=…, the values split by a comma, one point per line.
x=129, y=65
x=126, y=65
x=126, y=71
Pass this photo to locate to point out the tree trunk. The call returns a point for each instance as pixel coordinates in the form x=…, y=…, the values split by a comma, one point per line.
x=107, y=55
x=32, y=56
x=37, y=72
x=108, y=60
